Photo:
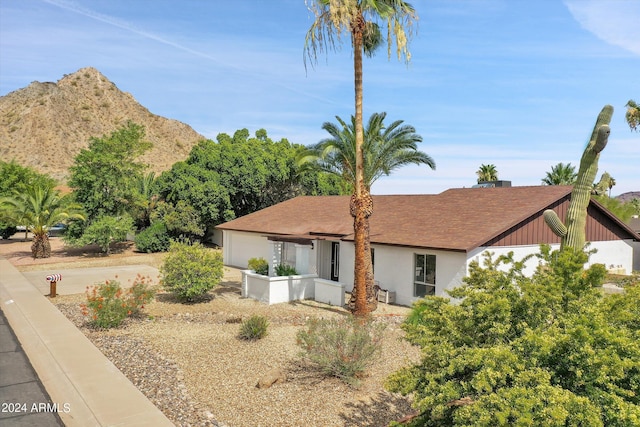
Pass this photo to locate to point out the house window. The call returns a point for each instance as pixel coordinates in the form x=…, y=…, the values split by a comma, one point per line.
x=424, y=281
x=288, y=254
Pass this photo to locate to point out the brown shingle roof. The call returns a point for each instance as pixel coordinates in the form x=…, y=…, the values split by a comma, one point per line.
x=457, y=219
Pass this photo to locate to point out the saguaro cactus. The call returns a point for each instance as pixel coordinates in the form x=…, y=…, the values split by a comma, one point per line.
x=573, y=232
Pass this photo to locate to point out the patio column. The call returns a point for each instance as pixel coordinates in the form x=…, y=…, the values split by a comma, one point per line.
x=276, y=256
x=302, y=258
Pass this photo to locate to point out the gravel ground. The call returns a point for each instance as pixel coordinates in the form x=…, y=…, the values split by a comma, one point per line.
x=188, y=360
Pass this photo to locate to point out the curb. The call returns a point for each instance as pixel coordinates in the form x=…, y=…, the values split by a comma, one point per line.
x=87, y=387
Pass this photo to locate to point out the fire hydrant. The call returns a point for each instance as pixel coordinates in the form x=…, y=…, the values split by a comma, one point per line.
x=53, y=279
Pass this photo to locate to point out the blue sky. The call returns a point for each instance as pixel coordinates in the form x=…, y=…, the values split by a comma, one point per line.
x=514, y=83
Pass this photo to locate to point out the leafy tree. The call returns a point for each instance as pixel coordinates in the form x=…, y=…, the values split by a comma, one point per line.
x=385, y=150
x=624, y=211
x=39, y=208
x=107, y=230
x=561, y=174
x=632, y=115
x=104, y=176
x=360, y=20
x=235, y=176
x=183, y=221
x=16, y=178
x=548, y=350
x=198, y=187
x=635, y=204
x=487, y=173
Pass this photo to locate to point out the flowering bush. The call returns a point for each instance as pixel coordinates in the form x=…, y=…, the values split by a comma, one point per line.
x=108, y=304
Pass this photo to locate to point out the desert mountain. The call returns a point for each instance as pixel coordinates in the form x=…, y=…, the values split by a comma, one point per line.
x=45, y=125
x=628, y=196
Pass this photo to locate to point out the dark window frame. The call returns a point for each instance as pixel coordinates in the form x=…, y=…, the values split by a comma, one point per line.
x=424, y=274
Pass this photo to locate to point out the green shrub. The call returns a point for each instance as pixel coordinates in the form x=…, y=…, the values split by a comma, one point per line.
x=106, y=230
x=547, y=350
x=108, y=304
x=7, y=230
x=254, y=328
x=190, y=271
x=342, y=348
x=154, y=238
x=285, y=270
x=259, y=265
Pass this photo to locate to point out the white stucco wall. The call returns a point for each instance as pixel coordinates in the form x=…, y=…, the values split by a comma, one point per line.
x=394, y=265
x=613, y=254
x=394, y=269
x=238, y=247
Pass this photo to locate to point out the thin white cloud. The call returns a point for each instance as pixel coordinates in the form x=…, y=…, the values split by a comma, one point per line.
x=74, y=7
x=614, y=21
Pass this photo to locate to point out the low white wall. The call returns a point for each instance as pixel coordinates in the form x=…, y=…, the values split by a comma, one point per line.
x=277, y=289
x=329, y=292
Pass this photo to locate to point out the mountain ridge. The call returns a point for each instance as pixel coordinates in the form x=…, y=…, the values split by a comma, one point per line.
x=46, y=124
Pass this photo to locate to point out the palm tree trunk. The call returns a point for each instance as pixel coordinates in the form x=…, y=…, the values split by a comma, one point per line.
x=361, y=203
x=41, y=247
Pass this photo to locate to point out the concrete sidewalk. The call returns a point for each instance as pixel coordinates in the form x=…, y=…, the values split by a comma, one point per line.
x=86, y=388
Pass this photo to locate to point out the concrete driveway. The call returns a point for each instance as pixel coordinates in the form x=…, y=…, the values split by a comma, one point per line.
x=76, y=280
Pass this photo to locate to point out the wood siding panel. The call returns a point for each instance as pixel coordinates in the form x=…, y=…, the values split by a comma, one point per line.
x=600, y=228
x=534, y=231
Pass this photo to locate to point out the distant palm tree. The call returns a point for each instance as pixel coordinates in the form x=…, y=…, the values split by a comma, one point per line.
x=561, y=174
x=39, y=208
x=487, y=173
x=633, y=114
x=386, y=148
x=145, y=199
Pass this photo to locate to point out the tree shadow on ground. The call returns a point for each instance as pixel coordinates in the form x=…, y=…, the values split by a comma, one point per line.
x=379, y=411
x=220, y=290
x=319, y=306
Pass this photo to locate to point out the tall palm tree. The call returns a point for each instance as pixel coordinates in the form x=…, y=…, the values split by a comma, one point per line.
x=386, y=148
x=561, y=174
x=632, y=115
x=39, y=208
x=487, y=173
x=359, y=19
